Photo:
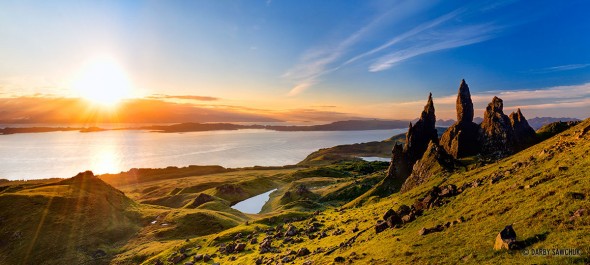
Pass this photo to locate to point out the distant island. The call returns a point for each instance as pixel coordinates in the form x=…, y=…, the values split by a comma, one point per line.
x=348, y=125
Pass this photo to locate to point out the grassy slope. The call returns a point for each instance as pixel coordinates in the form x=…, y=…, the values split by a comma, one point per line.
x=68, y=221
x=535, y=196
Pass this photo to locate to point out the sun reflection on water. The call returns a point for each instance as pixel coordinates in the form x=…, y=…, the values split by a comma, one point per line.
x=105, y=160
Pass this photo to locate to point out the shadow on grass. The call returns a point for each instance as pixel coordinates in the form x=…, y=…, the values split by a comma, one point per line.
x=532, y=240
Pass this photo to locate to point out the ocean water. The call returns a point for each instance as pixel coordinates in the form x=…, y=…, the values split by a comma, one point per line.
x=64, y=154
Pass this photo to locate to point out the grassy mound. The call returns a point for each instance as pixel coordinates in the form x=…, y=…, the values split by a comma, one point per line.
x=73, y=221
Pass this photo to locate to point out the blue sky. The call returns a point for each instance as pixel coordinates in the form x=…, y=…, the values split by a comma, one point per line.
x=359, y=58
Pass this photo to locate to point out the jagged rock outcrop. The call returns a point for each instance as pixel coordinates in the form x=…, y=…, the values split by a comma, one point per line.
x=495, y=132
x=434, y=161
x=461, y=138
x=501, y=135
x=398, y=165
x=421, y=133
x=417, y=139
x=524, y=135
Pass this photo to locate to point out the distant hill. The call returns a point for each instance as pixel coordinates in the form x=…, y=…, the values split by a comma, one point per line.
x=536, y=122
x=349, y=125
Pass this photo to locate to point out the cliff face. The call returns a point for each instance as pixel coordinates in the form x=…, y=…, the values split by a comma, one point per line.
x=461, y=138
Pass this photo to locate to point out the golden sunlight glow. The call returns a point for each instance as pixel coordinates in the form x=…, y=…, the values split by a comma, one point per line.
x=102, y=80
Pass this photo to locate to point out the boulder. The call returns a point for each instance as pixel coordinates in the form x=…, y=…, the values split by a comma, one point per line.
x=240, y=247
x=381, y=226
x=266, y=246
x=424, y=231
x=291, y=231
x=403, y=210
x=389, y=213
x=506, y=239
x=303, y=252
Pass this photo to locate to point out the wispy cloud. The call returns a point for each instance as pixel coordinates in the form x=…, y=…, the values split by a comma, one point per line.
x=560, y=68
x=447, y=31
x=407, y=34
x=325, y=59
x=443, y=40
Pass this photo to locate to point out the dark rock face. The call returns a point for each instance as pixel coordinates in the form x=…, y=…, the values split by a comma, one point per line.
x=461, y=138
x=501, y=135
x=421, y=133
x=399, y=165
x=495, y=132
x=434, y=158
x=524, y=135
x=464, y=104
x=417, y=139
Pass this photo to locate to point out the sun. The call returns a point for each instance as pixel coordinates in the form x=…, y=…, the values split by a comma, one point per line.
x=102, y=81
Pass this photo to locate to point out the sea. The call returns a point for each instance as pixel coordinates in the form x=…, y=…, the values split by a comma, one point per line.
x=64, y=154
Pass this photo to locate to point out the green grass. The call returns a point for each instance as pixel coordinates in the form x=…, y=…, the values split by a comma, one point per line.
x=67, y=222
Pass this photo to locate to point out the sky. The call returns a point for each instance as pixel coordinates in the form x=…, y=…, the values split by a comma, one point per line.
x=302, y=60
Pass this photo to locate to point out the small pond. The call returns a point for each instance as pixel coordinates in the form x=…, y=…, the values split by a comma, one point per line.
x=375, y=158
x=254, y=204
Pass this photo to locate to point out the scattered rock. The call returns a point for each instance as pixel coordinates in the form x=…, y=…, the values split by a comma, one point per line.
x=424, y=231
x=240, y=247
x=339, y=259
x=579, y=213
x=291, y=231
x=266, y=246
x=303, y=252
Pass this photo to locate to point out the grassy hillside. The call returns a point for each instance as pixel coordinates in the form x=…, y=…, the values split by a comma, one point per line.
x=333, y=205
x=540, y=191
x=73, y=221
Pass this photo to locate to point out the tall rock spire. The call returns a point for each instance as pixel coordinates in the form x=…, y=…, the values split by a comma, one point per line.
x=461, y=139
x=421, y=133
x=464, y=103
